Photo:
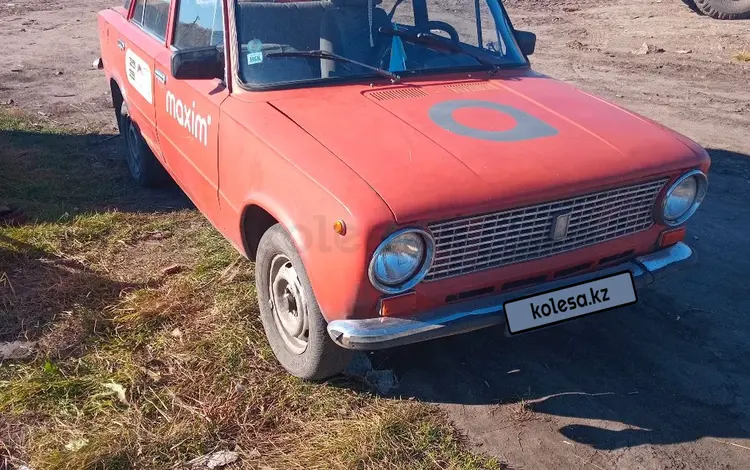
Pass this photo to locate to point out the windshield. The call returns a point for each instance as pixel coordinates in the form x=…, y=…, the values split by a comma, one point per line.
x=282, y=42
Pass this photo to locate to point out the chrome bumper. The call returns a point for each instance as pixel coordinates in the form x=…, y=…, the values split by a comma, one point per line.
x=387, y=332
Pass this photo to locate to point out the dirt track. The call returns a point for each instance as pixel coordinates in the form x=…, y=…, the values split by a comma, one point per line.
x=662, y=385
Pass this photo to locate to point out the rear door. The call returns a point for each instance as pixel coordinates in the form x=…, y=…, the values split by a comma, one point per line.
x=187, y=111
x=140, y=40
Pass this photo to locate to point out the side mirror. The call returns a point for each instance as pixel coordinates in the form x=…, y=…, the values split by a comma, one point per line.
x=204, y=63
x=527, y=41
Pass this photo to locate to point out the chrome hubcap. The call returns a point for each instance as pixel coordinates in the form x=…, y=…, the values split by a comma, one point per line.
x=288, y=304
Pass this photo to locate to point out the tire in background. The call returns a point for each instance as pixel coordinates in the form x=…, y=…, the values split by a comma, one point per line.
x=724, y=9
x=692, y=6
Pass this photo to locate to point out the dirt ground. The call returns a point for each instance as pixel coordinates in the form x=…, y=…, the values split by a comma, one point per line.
x=46, y=62
x=663, y=385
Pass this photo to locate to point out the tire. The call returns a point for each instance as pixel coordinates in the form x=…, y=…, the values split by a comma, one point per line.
x=145, y=169
x=692, y=5
x=307, y=351
x=724, y=9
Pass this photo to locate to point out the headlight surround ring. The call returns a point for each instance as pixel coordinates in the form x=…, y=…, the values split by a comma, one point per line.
x=413, y=279
x=701, y=182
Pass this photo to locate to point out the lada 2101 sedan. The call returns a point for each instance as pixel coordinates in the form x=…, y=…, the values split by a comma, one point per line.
x=395, y=168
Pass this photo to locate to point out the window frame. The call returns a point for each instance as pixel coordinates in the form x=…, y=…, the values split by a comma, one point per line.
x=228, y=80
x=142, y=27
x=175, y=20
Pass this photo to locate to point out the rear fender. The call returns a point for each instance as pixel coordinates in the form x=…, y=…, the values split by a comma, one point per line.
x=118, y=81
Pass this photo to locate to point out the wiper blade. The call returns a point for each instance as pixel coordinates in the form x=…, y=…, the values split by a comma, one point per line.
x=331, y=56
x=435, y=42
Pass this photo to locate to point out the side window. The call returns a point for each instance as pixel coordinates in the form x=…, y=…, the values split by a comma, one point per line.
x=140, y=7
x=127, y=4
x=152, y=16
x=200, y=23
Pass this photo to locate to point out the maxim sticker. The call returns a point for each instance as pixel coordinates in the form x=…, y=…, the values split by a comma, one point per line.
x=189, y=118
x=139, y=75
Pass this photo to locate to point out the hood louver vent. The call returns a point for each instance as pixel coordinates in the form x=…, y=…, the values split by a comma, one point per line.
x=469, y=87
x=397, y=94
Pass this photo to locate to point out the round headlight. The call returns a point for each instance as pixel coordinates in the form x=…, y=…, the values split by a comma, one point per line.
x=683, y=197
x=401, y=261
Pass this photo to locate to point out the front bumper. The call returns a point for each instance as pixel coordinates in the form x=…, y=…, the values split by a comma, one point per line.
x=387, y=332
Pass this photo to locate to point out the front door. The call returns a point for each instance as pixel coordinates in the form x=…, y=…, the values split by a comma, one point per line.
x=187, y=111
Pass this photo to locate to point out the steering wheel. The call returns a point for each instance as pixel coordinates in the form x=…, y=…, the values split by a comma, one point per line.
x=384, y=47
x=442, y=26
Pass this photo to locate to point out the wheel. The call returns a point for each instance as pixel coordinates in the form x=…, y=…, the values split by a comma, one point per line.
x=144, y=167
x=724, y=9
x=294, y=325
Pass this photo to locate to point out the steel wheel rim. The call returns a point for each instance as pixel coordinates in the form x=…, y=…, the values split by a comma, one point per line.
x=131, y=134
x=288, y=305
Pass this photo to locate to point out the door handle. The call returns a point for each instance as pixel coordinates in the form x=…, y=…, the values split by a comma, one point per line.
x=121, y=44
x=160, y=76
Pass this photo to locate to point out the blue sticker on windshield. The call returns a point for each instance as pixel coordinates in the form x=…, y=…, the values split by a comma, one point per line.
x=527, y=126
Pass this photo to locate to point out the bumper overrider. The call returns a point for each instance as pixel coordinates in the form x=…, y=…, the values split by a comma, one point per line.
x=387, y=332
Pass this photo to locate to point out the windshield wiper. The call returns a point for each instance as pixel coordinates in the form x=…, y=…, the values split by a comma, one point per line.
x=331, y=56
x=435, y=42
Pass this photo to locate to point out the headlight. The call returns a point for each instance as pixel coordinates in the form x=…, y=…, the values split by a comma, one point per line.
x=401, y=261
x=683, y=198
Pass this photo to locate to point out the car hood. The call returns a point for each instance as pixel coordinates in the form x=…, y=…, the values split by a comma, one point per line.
x=444, y=149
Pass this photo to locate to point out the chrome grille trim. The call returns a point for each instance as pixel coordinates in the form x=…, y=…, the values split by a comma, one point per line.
x=476, y=243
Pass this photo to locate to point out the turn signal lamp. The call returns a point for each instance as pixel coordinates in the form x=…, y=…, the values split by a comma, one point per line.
x=339, y=227
x=671, y=237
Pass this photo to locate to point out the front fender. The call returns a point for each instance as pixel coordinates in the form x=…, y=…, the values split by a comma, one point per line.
x=268, y=161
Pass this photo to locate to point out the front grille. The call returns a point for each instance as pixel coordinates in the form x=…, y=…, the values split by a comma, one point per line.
x=488, y=241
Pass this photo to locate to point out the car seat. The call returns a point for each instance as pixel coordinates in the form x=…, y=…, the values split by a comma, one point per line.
x=345, y=30
x=295, y=24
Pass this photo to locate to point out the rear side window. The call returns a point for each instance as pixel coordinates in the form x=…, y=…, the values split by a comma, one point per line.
x=152, y=16
x=200, y=23
x=127, y=4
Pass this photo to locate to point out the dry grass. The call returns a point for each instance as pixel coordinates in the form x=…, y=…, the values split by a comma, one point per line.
x=137, y=369
x=522, y=411
x=743, y=56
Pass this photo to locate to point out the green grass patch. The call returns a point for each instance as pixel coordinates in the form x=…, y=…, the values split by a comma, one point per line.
x=743, y=56
x=138, y=369
x=52, y=173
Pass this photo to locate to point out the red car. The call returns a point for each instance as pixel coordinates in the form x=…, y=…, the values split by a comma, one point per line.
x=396, y=169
